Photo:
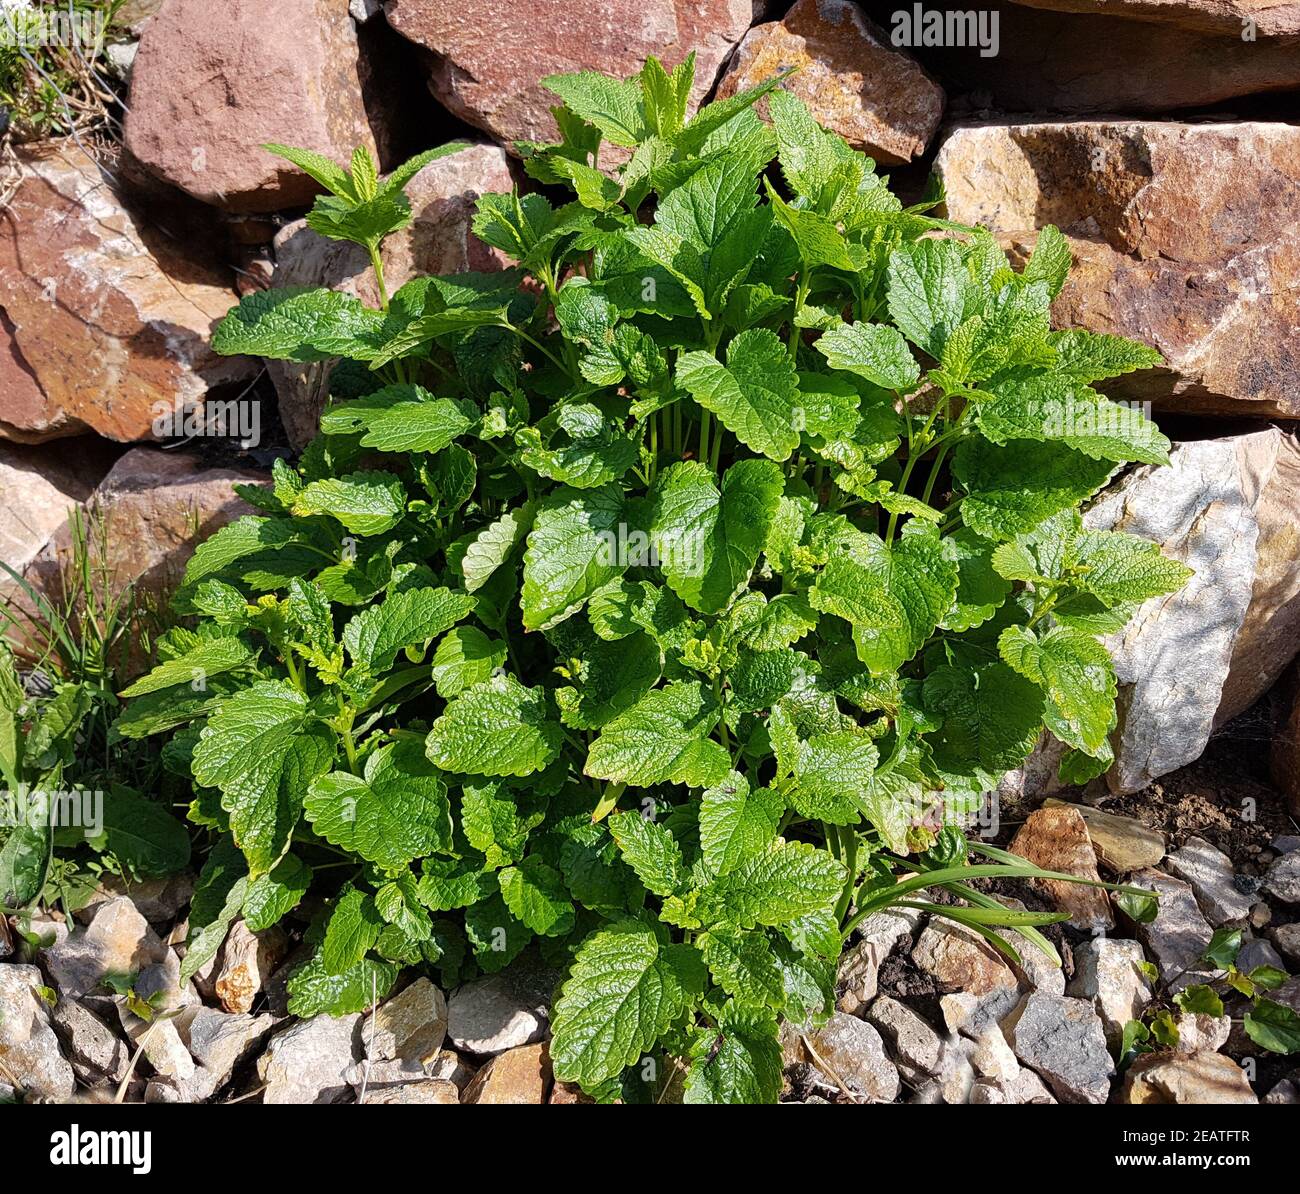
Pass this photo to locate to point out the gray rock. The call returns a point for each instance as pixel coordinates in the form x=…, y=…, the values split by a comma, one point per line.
x=220, y=1042
x=860, y=964
x=1028, y=1087
x=28, y=1044
x=412, y=1025
x=1062, y=1039
x=1283, y=878
x=97, y=1053
x=985, y=988
x=309, y=1062
x=853, y=1049
x=911, y=1040
x=987, y=1093
x=1202, y=1033
x=1213, y=881
x=1178, y=936
x=159, y=1040
x=1287, y=939
x=118, y=941
x=167, y=1090
x=1284, y=1093
x=1286, y=843
x=1106, y=972
x=1259, y=952
x=431, y=1090
x=500, y=1012
x=159, y=901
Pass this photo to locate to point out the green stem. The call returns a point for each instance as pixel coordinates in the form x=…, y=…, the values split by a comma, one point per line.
x=851, y=863
x=377, y=264
x=704, y=436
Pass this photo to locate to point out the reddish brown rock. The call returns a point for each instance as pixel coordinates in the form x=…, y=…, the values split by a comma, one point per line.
x=101, y=316
x=437, y=241
x=876, y=98
x=1056, y=839
x=1265, y=18
x=520, y=1075
x=212, y=83
x=1088, y=62
x=1186, y=236
x=488, y=56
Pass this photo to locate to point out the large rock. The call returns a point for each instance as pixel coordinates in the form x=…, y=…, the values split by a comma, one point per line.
x=102, y=318
x=1186, y=663
x=501, y=1011
x=851, y=1052
x=213, y=83
x=1122, y=844
x=98, y=1055
x=1056, y=839
x=1086, y=62
x=859, y=966
x=1107, y=971
x=488, y=57
x=1284, y=760
x=309, y=1062
x=911, y=1040
x=853, y=81
x=521, y=1075
x=1268, y=18
x=1062, y=1039
x=1186, y=236
x=411, y=1026
x=1213, y=881
x=1179, y=935
x=1186, y=1078
x=118, y=941
x=983, y=988
x=220, y=1043
x=28, y=1047
x=438, y=240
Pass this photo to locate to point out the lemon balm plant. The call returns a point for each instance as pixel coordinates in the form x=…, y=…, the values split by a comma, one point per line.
x=642, y=603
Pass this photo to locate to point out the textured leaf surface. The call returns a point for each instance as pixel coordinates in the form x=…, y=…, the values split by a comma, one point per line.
x=500, y=727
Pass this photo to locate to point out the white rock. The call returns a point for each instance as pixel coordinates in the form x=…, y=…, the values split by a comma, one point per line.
x=859, y=966
x=160, y=1042
x=1107, y=972
x=309, y=1062
x=994, y=1059
x=854, y=1050
x=911, y=1040
x=28, y=1046
x=500, y=1012
x=411, y=1025
x=1283, y=878
x=1202, y=1033
x=1210, y=873
x=220, y=1043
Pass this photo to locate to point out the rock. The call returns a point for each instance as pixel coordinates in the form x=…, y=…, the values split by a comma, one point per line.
x=308, y=1063
x=220, y=1043
x=431, y=1091
x=247, y=960
x=1210, y=873
x=1099, y=62
x=118, y=941
x=97, y=1053
x=854, y=83
x=1027, y=1087
x=1283, y=1094
x=1287, y=939
x=993, y=1059
x=911, y=1040
x=488, y=58
x=411, y=1025
x=1288, y=993
x=1186, y=1078
x=1107, y=973
x=212, y=85
x=854, y=1051
x=1285, y=843
x=1056, y=839
x=985, y=988
x=155, y=508
x=447, y=1066
x=362, y=10
x=956, y=1074
x=1283, y=878
x=1179, y=935
x=28, y=1045
x=159, y=901
x=1266, y=18
x=437, y=241
x=1199, y=1032
x=159, y=1041
x=568, y=1093
x=859, y=965
x=519, y=1075
x=1062, y=1039
x=104, y=318
x=1187, y=278
x=986, y=1093
x=1188, y=662
x=502, y=1011
x=1260, y=915
x=1122, y=844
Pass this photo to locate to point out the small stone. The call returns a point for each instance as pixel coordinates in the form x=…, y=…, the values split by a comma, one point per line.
x=1260, y=915
x=118, y=941
x=855, y=1052
x=1258, y=952
x=1062, y=1039
x=1210, y=873
x=429, y=1091
x=159, y=1040
x=1027, y=1087
x=29, y=1047
x=166, y=1090
x=1178, y=936
x=1186, y=1078
x=1056, y=839
x=97, y=1053
x=985, y=1093
x=1283, y=878
x=411, y=1025
x=221, y=1043
x=1107, y=971
x=983, y=985
x=1286, y=843
x=911, y=1040
x=568, y=1092
x=502, y=1011
x=1121, y=843
x=308, y=1063
x=859, y=966
x=1199, y=1032
x=994, y=1059
x=956, y=1073
x=1284, y=1093
x=1287, y=939
x=247, y=960
x=1035, y=970
x=520, y=1075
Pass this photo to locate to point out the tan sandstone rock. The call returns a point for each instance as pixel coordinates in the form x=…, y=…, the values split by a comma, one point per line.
x=1186, y=1078
x=520, y=1075
x=1186, y=236
x=1056, y=839
x=853, y=81
x=102, y=317
x=212, y=83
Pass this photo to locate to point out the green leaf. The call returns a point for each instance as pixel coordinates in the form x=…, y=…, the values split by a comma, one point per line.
x=1273, y=1026
x=754, y=395
x=1076, y=676
x=211, y=658
x=398, y=811
x=739, y=1063
x=614, y=676
x=400, y=418
x=1200, y=1000
x=315, y=991
x=535, y=894
x=597, y=453
x=981, y=590
x=742, y=964
x=404, y=619
x=368, y=503
x=497, y=821
x=736, y=823
x=142, y=835
x=833, y=771
x=626, y=988
x=661, y=739
x=708, y=541
x=928, y=287
x=992, y=716
x=613, y=106
x=1224, y=946
x=1050, y=261
x=446, y=884
x=875, y=351
x=499, y=727
x=1092, y=356
x=492, y=546
x=353, y=928
x=272, y=897
x=786, y=881
x=1120, y=569
x=650, y=850
x=296, y=324
x=465, y=657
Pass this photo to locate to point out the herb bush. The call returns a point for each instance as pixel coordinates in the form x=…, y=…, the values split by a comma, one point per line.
x=652, y=600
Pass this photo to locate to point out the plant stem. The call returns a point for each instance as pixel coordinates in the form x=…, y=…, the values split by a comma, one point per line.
x=377, y=264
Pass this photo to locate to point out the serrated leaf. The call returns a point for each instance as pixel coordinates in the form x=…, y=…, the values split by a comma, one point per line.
x=832, y=773
x=351, y=932
x=786, y=881
x=650, y=850
x=740, y=1063
x=742, y=964
x=1050, y=261
x=399, y=418
x=736, y=823
x=272, y=897
x=614, y=676
x=992, y=716
x=535, y=894
x=875, y=351
x=142, y=835
x=211, y=658
x=296, y=324
x=404, y=619
x=465, y=657
x=366, y=503
x=613, y=106
x=497, y=820
x=928, y=286
x=490, y=548
x=1077, y=678
x=1093, y=356
x=658, y=740
x=499, y=727
x=315, y=991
